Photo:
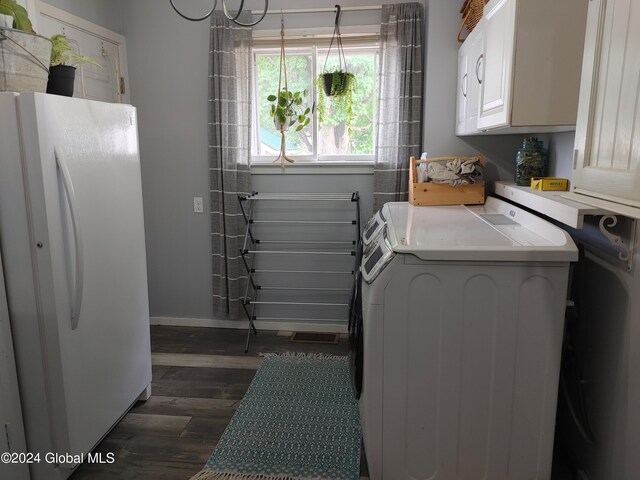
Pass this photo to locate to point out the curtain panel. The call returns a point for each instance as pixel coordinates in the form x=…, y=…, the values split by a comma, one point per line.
x=230, y=73
x=399, y=117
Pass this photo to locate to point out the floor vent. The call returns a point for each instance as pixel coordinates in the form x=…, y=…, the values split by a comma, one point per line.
x=313, y=337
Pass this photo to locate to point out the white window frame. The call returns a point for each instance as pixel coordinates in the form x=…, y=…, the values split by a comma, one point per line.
x=318, y=48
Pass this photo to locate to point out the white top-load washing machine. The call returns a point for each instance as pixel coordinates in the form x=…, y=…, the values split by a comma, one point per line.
x=463, y=312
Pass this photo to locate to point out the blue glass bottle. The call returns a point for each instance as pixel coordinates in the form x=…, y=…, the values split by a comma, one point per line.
x=530, y=161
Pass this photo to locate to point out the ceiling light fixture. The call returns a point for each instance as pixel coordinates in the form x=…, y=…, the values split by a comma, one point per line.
x=231, y=16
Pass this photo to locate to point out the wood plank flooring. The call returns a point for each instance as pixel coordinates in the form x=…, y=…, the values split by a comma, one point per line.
x=199, y=377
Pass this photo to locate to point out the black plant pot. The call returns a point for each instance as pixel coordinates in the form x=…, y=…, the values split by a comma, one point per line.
x=327, y=82
x=61, y=78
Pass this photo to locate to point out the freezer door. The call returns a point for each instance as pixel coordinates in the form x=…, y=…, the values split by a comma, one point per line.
x=12, y=435
x=85, y=199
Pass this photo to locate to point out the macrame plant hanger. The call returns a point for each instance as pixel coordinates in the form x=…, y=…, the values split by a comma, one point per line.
x=282, y=157
x=336, y=36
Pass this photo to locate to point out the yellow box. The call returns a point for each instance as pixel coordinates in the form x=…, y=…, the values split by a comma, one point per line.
x=550, y=183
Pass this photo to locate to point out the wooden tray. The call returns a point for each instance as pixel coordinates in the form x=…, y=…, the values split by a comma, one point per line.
x=427, y=193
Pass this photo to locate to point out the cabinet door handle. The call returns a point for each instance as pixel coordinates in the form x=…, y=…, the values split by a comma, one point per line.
x=463, y=84
x=478, y=67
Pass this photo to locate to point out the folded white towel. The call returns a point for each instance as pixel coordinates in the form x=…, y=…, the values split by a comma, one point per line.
x=455, y=172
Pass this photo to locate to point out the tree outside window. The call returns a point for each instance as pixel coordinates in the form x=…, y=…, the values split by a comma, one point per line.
x=340, y=130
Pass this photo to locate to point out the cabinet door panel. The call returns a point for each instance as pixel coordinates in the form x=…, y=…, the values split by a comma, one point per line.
x=497, y=68
x=608, y=131
x=469, y=69
x=463, y=90
x=476, y=47
x=628, y=67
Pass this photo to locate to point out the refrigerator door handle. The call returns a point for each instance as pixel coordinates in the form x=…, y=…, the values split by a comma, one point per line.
x=77, y=236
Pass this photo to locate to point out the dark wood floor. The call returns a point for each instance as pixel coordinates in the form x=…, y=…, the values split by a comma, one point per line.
x=199, y=377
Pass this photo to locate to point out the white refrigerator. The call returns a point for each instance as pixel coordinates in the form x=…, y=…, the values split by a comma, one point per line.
x=72, y=241
x=12, y=438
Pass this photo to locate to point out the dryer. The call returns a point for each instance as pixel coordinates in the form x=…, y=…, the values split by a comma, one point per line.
x=463, y=313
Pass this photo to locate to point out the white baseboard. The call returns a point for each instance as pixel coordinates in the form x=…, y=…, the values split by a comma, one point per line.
x=198, y=322
x=244, y=324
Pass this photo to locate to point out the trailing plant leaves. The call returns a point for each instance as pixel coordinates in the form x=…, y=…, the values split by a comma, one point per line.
x=342, y=94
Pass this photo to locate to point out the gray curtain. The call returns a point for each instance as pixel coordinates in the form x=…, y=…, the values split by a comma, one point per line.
x=399, y=118
x=230, y=71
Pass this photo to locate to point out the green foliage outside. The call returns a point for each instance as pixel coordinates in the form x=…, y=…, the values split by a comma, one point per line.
x=344, y=128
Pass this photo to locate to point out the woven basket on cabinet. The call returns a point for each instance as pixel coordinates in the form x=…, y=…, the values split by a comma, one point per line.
x=471, y=12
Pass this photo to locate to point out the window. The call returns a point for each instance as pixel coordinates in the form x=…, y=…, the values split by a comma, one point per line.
x=339, y=130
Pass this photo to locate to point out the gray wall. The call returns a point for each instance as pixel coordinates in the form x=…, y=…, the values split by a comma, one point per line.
x=106, y=13
x=168, y=68
x=173, y=138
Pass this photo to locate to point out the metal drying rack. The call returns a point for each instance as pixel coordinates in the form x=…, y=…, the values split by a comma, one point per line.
x=251, y=249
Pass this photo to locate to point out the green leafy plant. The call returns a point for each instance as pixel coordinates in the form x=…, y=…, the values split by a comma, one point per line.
x=341, y=82
x=341, y=95
x=61, y=53
x=287, y=109
x=18, y=13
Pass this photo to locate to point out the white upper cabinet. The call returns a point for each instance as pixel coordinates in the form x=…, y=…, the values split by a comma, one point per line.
x=469, y=65
x=497, y=64
x=463, y=89
x=607, y=155
x=528, y=66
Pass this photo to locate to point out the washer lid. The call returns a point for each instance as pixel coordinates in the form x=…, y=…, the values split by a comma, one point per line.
x=495, y=231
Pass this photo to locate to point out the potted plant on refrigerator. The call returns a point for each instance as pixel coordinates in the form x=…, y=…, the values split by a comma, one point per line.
x=18, y=13
x=61, y=73
x=24, y=56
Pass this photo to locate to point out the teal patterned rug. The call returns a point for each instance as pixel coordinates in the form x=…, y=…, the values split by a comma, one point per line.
x=298, y=421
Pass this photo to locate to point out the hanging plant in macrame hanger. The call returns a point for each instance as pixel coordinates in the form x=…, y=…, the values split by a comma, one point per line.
x=338, y=82
x=336, y=88
x=287, y=108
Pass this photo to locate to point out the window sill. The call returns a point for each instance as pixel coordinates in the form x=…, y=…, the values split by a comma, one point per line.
x=314, y=168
